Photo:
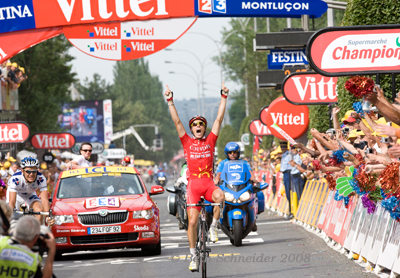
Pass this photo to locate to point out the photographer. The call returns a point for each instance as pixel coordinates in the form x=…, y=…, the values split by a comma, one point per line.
x=16, y=256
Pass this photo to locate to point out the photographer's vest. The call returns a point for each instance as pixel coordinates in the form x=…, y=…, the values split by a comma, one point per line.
x=16, y=261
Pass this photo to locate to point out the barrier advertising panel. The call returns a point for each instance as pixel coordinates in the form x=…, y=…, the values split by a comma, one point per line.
x=372, y=230
x=355, y=50
x=309, y=88
x=50, y=140
x=13, y=132
x=377, y=240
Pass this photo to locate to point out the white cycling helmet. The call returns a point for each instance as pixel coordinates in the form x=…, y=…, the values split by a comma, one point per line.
x=29, y=162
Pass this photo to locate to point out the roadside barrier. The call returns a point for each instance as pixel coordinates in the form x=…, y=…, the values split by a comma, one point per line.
x=349, y=229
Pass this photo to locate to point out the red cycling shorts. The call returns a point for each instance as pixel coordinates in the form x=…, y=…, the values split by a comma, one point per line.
x=200, y=187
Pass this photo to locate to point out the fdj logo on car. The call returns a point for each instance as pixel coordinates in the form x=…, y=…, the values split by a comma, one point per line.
x=235, y=168
x=218, y=6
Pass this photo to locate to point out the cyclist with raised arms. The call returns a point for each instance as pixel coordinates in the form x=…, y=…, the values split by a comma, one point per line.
x=199, y=154
x=22, y=188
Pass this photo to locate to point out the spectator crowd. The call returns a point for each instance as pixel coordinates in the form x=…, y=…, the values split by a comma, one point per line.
x=11, y=74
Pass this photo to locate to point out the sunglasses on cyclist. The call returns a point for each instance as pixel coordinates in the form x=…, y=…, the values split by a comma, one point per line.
x=198, y=124
x=31, y=172
x=87, y=151
x=232, y=152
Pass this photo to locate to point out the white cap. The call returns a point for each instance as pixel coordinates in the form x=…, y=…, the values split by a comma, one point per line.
x=3, y=174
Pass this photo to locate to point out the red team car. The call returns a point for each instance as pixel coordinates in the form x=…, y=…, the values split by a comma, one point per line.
x=105, y=207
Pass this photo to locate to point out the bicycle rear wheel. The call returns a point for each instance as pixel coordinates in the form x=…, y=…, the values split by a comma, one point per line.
x=204, y=249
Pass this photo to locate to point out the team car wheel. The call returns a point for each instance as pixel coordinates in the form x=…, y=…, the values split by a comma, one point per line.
x=152, y=251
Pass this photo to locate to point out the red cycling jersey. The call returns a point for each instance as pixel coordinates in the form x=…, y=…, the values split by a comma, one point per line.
x=199, y=155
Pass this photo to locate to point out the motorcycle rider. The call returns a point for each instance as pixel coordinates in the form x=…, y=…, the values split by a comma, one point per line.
x=232, y=152
x=199, y=155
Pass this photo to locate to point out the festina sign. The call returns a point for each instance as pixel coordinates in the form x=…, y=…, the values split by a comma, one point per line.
x=257, y=128
x=13, y=132
x=34, y=14
x=278, y=58
x=48, y=140
x=355, y=50
x=293, y=119
x=127, y=40
x=309, y=88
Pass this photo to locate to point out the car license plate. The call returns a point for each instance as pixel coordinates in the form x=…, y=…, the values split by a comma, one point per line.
x=104, y=230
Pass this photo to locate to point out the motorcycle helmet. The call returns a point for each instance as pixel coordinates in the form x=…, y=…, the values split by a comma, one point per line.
x=232, y=147
x=197, y=117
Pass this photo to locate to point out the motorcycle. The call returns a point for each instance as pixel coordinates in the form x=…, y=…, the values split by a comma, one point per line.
x=243, y=201
x=176, y=202
x=161, y=178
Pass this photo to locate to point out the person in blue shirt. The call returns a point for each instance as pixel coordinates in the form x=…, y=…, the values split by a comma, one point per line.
x=295, y=173
x=286, y=169
x=232, y=152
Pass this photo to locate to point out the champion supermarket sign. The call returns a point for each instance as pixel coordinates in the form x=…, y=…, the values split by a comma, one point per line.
x=355, y=50
x=127, y=40
x=309, y=88
x=19, y=15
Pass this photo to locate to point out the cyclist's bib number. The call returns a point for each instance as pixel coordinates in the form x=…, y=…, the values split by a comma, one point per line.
x=104, y=230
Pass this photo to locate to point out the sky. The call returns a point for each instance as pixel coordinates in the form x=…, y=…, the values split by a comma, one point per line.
x=185, y=66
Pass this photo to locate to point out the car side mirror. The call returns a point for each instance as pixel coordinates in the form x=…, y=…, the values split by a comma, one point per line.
x=156, y=189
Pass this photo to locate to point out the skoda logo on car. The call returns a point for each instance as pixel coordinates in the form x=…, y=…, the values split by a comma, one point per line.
x=103, y=213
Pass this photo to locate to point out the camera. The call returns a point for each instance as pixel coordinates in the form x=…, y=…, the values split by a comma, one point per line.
x=369, y=151
x=386, y=140
x=346, y=129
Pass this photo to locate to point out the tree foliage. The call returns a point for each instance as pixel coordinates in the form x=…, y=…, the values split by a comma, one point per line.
x=49, y=77
x=138, y=99
x=237, y=111
x=227, y=134
x=368, y=12
x=96, y=89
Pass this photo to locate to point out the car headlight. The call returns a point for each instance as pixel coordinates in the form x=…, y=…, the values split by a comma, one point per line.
x=229, y=197
x=62, y=219
x=146, y=214
x=245, y=196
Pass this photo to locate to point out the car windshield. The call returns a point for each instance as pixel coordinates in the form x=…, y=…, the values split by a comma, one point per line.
x=98, y=185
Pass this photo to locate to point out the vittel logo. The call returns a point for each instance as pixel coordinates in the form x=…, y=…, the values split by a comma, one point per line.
x=2, y=54
x=121, y=10
x=287, y=119
x=319, y=89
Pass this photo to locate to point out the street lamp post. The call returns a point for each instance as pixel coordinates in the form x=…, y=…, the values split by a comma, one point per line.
x=197, y=82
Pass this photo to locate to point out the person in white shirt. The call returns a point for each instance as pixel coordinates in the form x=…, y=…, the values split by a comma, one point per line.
x=82, y=160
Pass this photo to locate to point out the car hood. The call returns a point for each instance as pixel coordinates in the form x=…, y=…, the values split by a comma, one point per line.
x=78, y=205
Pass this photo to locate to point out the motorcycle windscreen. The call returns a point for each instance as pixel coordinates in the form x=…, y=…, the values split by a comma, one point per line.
x=235, y=172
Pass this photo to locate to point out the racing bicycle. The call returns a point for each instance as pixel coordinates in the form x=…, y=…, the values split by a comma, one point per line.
x=203, y=241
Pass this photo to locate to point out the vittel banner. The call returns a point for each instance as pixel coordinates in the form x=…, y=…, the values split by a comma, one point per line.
x=14, y=132
x=343, y=51
x=50, y=140
x=127, y=40
x=257, y=128
x=293, y=119
x=309, y=88
x=31, y=14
